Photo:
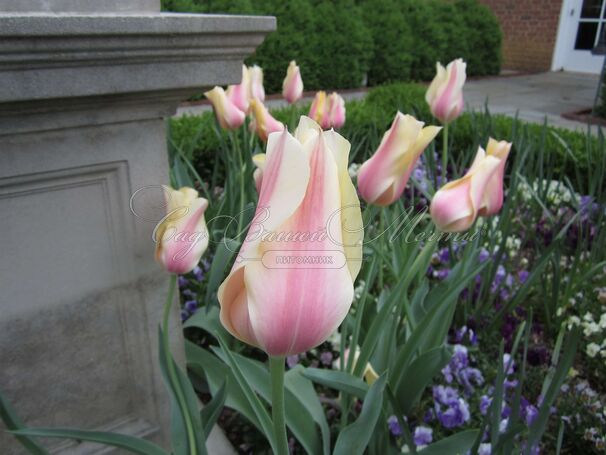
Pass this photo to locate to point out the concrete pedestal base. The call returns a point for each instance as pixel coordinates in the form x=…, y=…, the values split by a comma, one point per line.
x=83, y=99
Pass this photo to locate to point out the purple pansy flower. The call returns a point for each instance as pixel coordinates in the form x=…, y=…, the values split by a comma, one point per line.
x=423, y=436
x=394, y=426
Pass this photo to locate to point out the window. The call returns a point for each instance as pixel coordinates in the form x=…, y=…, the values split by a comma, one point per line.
x=591, y=24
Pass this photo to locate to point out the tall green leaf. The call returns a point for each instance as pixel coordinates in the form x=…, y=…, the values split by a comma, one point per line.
x=354, y=438
x=121, y=441
x=13, y=422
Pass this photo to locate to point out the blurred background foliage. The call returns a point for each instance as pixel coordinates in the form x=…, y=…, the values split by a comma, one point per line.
x=350, y=43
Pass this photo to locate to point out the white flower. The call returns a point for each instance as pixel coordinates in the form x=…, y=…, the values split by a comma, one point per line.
x=592, y=349
x=573, y=321
x=589, y=328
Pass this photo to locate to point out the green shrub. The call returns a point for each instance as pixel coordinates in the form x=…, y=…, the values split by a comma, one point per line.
x=328, y=40
x=367, y=120
x=339, y=43
x=393, y=41
x=483, y=35
x=331, y=53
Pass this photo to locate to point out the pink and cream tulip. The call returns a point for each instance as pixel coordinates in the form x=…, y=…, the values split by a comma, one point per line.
x=228, y=114
x=457, y=204
x=335, y=113
x=382, y=179
x=445, y=94
x=181, y=236
x=292, y=87
x=329, y=111
x=318, y=106
x=259, y=162
x=257, y=91
x=292, y=283
x=239, y=94
x=264, y=124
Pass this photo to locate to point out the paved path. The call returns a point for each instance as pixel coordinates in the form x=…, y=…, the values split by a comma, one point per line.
x=533, y=97
x=536, y=96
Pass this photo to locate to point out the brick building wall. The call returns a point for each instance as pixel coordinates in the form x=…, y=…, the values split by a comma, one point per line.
x=530, y=29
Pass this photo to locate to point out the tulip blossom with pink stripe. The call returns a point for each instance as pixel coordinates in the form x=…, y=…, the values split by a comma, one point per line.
x=256, y=89
x=292, y=283
x=227, y=113
x=457, y=204
x=292, y=87
x=181, y=236
x=263, y=123
x=328, y=111
x=445, y=94
x=383, y=178
x=239, y=94
x=335, y=115
x=259, y=162
x=318, y=106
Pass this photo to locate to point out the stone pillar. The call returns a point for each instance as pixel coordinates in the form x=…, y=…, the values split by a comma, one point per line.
x=84, y=93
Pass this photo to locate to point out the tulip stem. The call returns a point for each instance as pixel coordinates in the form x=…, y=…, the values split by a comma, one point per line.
x=172, y=372
x=276, y=367
x=241, y=176
x=444, y=156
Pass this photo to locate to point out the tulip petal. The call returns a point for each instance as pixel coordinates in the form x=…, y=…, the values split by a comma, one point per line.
x=182, y=237
x=352, y=225
x=259, y=162
x=317, y=109
x=378, y=177
x=445, y=93
x=294, y=308
x=285, y=180
x=265, y=124
x=455, y=206
x=307, y=129
x=239, y=94
x=292, y=87
x=493, y=197
x=409, y=160
x=228, y=115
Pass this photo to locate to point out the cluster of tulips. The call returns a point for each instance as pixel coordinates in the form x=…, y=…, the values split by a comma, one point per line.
x=232, y=105
x=308, y=207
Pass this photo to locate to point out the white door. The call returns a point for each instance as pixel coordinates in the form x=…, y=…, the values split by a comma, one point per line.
x=581, y=24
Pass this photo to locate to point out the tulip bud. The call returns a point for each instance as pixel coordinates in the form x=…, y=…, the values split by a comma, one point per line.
x=292, y=87
x=181, y=236
x=228, y=115
x=238, y=94
x=292, y=282
x=370, y=375
x=457, y=204
x=318, y=106
x=257, y=91
x=445, y=94
x=259, y=162
x=383, y=178
x=335, y=117
x=264, y=124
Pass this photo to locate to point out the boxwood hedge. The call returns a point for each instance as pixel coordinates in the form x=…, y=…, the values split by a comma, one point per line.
x=347, y=43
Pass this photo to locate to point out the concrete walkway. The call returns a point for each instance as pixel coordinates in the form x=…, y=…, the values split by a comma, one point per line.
x=533, y=97
x=536, y=96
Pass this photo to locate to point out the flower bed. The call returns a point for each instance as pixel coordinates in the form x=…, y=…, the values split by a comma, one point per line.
x=452, y=300
x=543, y=272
